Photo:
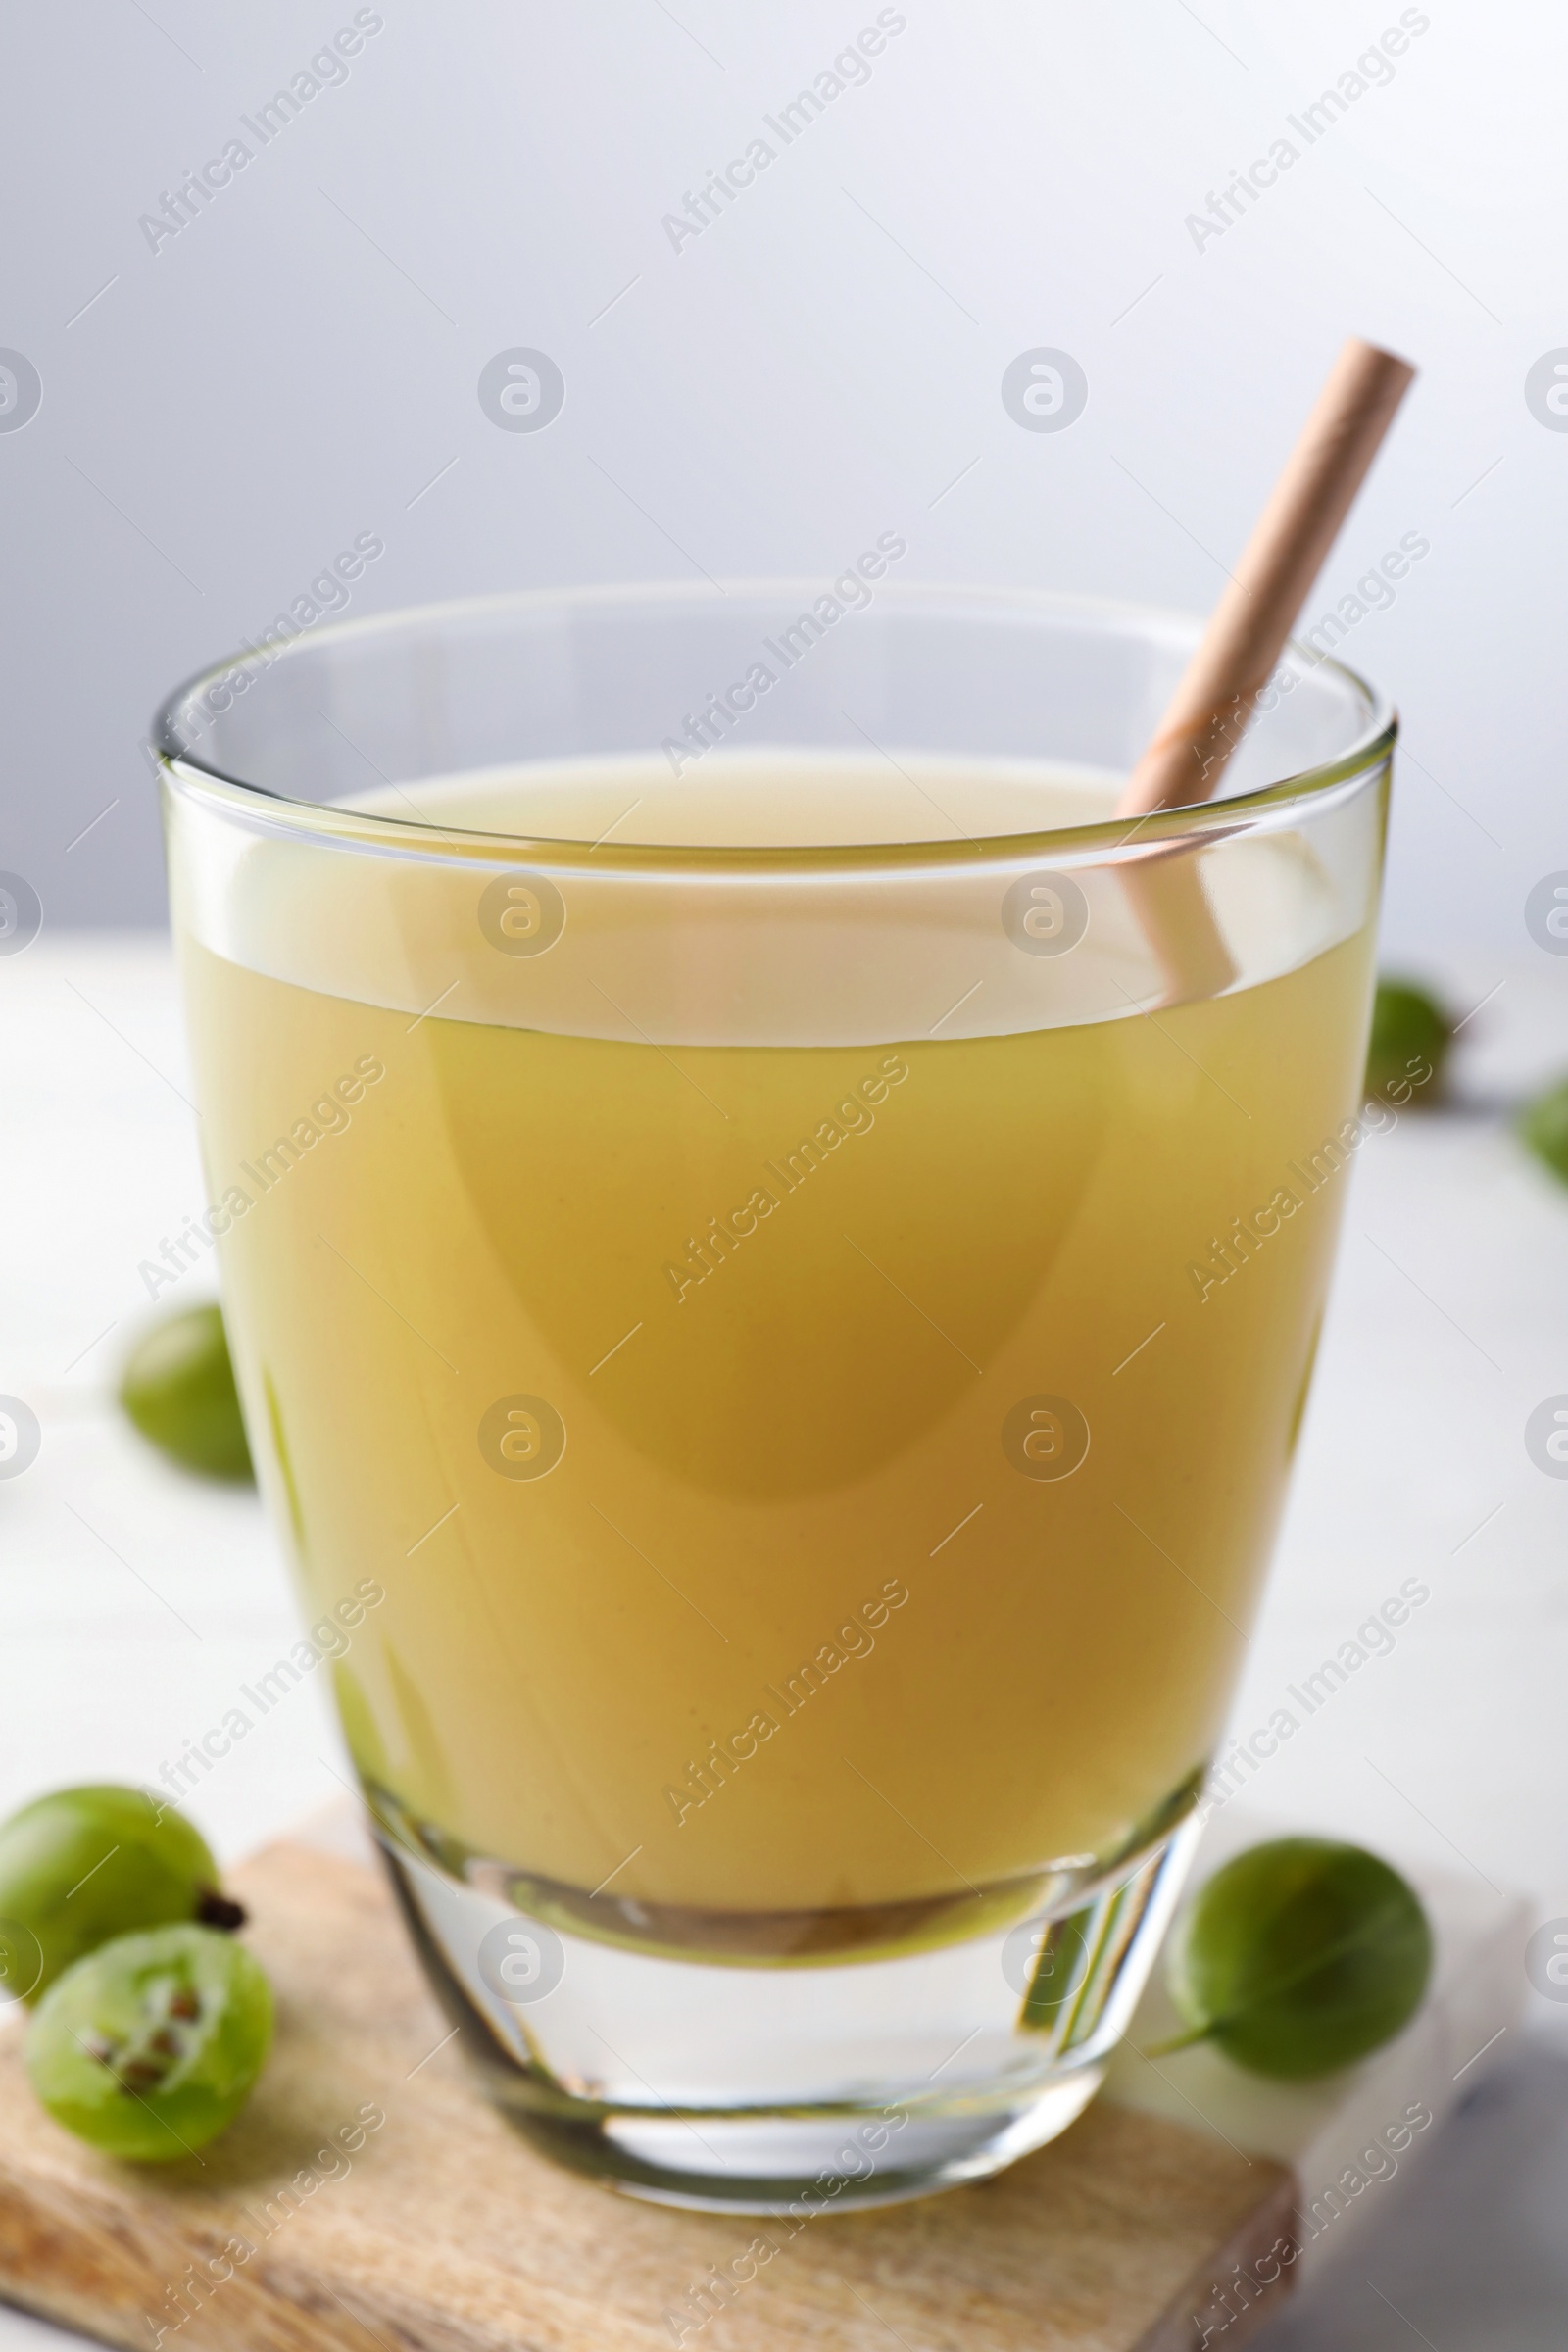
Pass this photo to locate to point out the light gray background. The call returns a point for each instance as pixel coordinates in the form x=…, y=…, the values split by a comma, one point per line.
x=819, y=364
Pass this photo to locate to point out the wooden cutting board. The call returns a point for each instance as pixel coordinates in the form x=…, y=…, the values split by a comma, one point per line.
x=440, y=2228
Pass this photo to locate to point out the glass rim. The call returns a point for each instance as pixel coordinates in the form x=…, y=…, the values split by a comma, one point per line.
x=1105, y=838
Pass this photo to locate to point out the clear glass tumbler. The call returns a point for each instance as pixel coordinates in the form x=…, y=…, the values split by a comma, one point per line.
x=773, y=1253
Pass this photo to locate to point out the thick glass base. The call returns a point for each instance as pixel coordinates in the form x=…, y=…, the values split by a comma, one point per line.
x=802, y=2165
x=789, y=2087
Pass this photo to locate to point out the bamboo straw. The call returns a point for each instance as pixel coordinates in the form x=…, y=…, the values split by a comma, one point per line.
x=1246, y=632
x=1208, y=714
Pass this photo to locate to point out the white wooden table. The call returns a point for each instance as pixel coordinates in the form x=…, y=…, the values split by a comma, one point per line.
x=133, y=1601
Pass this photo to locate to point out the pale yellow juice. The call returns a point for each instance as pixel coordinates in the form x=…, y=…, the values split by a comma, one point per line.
x=771, y=1610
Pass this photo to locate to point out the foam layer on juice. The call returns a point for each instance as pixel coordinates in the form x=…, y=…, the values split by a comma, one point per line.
x=761, y=799
x=823, y=943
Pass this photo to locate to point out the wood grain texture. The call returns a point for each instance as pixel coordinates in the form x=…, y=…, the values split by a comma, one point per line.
x=442, y=2232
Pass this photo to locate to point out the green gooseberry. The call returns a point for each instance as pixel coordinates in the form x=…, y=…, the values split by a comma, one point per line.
x=179, y=1389
x=81, y=1865
x=1543, y=1128
x=1410, y=1034
x=1299, y=1956
x=149, y=2046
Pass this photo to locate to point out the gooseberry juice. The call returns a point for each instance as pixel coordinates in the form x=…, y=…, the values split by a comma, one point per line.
x=816, y=1486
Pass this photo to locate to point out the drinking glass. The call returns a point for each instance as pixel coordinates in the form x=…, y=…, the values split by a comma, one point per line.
x=773, y=1253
